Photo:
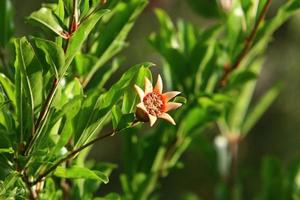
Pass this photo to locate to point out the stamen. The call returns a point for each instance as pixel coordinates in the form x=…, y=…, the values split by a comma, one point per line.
x=154, y=103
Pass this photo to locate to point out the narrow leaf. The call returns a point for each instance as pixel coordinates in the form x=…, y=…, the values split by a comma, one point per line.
x=77, y=172
x=45, y=18
x=260, y=108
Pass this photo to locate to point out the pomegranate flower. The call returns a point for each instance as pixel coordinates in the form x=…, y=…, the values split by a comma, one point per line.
x=155, y=104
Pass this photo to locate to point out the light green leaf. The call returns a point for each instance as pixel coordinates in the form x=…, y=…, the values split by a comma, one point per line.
x=84, y=62
x=240, y=107
x=6, y=21
x=9, y=88
x=238, y=79
x=130, y=96
x=76, y=172
x=54, y=54
x=6, y=150
x=46, y=18
x=68, y=112
x=29, y=85
x=108, y=73
x=260, y=108
x=116, y=115
x=180, y=99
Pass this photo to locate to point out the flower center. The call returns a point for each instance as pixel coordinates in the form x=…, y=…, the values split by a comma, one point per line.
x=154, y=103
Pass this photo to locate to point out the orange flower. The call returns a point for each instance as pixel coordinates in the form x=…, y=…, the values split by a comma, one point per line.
x=155, y=104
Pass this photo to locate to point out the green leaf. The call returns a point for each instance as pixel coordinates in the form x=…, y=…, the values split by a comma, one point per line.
x=6, y=150
x=166, y=25
x=46, y=18
x=9, y=183
x=112, y=39
x=80, y=35
x=84, y=63
x=237, y=113
x=9, y=88
x=202, y=55
x=98, y=111
x=30, y=69
x=6, y=21
x=240, y=78
x=106, y=74
x=76, y=172
x=187, y=36
x=260, y=108
x=193, y=119
x=126, y=121
x=116, y=116
x=130, y=97
x=117, y=89
x=29, y=85
x=6, y=118
x=50, y=192
x=54, y=54
x=69, y=111
x=180, y=99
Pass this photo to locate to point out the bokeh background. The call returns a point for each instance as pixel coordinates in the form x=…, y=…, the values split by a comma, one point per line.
x=277, y=134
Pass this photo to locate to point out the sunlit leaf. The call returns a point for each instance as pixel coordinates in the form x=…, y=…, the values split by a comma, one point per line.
x=45, y=18
x=76, y=172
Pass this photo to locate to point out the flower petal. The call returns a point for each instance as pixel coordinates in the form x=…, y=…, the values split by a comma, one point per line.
x=142, y=106
x=172, y=106
x=170, y=95
x=167, y=117
x=148, y=86
x=159, y=85
x=140, y=92
x=152, y=119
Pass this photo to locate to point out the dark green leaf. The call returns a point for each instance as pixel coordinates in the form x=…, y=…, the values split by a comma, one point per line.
x=111, y=196
x=6, y=21
x=80, y=35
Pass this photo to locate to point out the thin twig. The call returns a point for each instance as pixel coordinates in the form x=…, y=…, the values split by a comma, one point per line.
x=42, y=116
x=71, y=155
x=248, y=44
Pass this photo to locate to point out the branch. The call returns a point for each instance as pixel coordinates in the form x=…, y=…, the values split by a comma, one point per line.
x=42, y=115
x=71, y=155
x=248, y=44
x=72, y=27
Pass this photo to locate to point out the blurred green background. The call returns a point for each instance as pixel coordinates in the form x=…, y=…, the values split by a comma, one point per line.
x=276, y=134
